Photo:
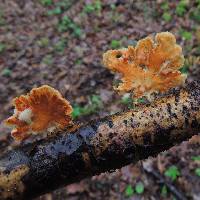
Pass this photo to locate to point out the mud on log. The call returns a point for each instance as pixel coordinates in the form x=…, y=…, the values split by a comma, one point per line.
x=102, y=145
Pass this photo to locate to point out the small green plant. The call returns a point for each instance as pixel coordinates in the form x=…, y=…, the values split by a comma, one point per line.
x=115, y=44
x=139, y=188
x=141, y=100
x=127, y=100
x=2, y=21
x=2, y=47
x=66, y=24
x=129, y=191
x=46, y=2
x=60, y=45
x=94, y=104
x=48, y=59
x=195, y=14
x=184, y=69
x=164, y=191
x=6, y=72
x=186, y=35
x=60, y=7
x=78, y=61
x=181, y=8
x=197, y=171
x=55, y=11
x=167, y=16
x=93, y=7
x=172, y=172
x=165, y=6
x=196, y=158
x=43, y=42
x=112, y=6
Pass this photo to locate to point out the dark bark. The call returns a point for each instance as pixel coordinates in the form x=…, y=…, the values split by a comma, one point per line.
x=102, y=145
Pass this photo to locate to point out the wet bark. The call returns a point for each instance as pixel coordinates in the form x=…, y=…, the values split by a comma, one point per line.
x=102, y=145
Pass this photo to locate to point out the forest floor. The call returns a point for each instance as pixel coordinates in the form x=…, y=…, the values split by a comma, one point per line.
x=61, y=42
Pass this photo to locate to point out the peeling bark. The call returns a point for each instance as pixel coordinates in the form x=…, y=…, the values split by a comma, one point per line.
x=101, y=145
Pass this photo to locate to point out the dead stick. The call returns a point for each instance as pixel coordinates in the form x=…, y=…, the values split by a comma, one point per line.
x=102, y=145
x=178, y=194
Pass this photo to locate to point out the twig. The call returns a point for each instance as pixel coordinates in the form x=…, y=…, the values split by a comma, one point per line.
x=178, y=194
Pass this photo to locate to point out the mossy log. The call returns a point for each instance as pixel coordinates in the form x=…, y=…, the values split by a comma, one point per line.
x=101, y=145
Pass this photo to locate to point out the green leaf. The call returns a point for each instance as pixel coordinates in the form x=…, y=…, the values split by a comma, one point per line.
x=172, y=172
x=96, y=99
x=181, y=7
x=139, y=188
x=77, y=110
x=196, y=158
x=141, y=100
x=186, y=34
x=93, y=7
x=89, y=8
x=195, y=14
x=60, y=45
x=55, y=11
x=43, y=42
x=129, y=191
x=165, y=6
x=2, y=47
x=115, y=44
x=184, y=69
x=197, y=171
x=166, y=16
x=164, y=191
x=6, y=72
x=48, y=59
x=46, y=2
x=126, y=100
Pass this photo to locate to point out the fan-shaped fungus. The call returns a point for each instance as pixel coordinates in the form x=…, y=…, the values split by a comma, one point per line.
x=43, y=109
x=149, y=67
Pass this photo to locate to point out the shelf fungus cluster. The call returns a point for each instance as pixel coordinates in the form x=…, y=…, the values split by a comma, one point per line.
x=149, y=67
x=43, y=109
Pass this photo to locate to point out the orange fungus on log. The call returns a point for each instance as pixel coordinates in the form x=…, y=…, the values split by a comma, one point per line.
x=149, y=67
x=43, y=109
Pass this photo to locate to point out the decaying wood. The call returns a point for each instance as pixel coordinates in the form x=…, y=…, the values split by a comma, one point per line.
x=102, y=145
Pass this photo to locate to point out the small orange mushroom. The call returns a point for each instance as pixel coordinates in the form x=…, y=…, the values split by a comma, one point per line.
x=149, y=67
x=43, y=109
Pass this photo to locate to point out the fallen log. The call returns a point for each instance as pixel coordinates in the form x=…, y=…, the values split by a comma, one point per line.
x=101, y=145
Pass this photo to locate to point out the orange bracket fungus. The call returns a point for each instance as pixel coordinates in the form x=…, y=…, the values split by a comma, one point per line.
x=43, y=109
x=148, y=68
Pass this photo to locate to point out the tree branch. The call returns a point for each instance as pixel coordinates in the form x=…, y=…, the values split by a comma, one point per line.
x=102, y=145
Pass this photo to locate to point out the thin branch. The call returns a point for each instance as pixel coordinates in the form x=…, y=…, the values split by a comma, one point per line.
x=178, y=194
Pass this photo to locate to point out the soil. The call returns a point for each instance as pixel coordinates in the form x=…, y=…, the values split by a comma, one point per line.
x=34, y=51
